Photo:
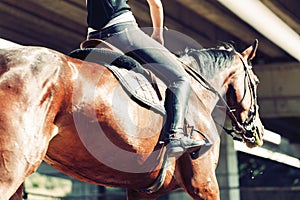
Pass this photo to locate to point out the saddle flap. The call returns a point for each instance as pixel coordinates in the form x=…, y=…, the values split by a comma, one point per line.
x=139, y=88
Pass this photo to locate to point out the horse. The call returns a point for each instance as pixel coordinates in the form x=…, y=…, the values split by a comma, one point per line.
x=76, y=116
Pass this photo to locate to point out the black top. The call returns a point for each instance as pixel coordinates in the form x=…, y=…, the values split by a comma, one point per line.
x=100, y=12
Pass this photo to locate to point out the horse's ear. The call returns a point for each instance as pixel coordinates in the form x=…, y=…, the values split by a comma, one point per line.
x=250, y=52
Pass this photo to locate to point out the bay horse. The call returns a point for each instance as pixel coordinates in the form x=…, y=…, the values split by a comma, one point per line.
x=75, y=115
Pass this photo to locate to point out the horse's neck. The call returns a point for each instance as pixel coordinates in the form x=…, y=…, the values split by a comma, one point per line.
x=220, y=83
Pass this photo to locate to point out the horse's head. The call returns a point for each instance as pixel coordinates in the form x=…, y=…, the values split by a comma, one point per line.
x=242, y=99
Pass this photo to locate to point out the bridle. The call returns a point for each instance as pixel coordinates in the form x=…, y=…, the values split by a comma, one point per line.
x=246, y=129
x=242, y=131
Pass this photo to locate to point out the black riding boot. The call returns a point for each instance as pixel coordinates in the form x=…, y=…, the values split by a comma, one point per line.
x=177, y=96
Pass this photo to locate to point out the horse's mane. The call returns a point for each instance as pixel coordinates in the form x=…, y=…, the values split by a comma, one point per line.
x=209, y=61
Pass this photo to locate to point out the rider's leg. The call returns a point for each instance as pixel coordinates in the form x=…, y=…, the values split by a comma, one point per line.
x=177, y=96
x=159, y=60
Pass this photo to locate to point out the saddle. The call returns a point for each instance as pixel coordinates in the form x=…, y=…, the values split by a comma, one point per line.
x=100, y=44
x=139, y=83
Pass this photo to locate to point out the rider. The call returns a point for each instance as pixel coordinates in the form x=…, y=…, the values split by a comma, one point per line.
x=112, y=20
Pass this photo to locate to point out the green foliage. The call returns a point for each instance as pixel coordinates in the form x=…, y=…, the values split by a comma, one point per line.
x=42, y=184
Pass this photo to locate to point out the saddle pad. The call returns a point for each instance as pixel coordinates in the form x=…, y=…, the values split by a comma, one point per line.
x=138, y=88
